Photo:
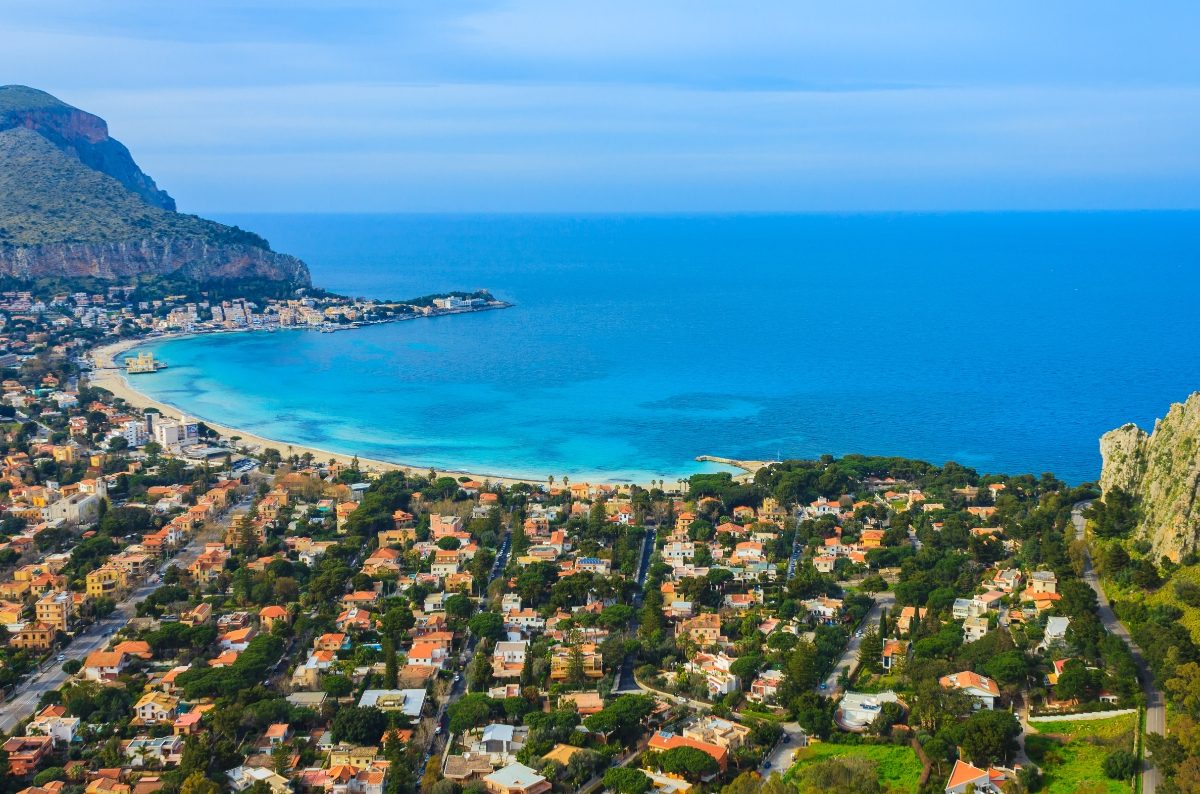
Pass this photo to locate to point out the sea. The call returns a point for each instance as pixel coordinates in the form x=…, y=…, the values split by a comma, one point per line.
x=1008, y=342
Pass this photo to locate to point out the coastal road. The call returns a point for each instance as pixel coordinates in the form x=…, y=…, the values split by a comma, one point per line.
x=50, y=675
x=849, y=658
x=1156, y=713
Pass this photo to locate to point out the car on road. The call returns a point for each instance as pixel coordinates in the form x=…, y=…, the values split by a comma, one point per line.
x=457, y=677
x=786, y=739
x=437, y=731
x=824, y=685
x=766, y=764
x=62, y=657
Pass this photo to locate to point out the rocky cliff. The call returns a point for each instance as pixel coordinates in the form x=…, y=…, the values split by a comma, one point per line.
x=192, y=258
x=79, y=134
x=74, y=205
x=1162, y=469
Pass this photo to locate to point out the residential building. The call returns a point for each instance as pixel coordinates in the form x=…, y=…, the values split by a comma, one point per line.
x=965, y=777
x=894, y=651
x=26, y=753
x=516, y=778
x=857, y=710
x=983, y=689
x=975, y=628
x=55, y=610
x=703, y=630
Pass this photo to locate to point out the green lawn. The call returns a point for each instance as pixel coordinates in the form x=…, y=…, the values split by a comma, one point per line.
x=1071, y=753
x=898, y=766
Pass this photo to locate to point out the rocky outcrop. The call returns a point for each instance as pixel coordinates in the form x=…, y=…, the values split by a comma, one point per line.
x=195, y=259
x=74, y=206
x=1162, y=469
x=79, y=134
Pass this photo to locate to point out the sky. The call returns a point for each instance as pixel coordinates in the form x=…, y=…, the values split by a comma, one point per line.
x=628, y=105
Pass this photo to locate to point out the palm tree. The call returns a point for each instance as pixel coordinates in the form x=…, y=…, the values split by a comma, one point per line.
x=550, y=481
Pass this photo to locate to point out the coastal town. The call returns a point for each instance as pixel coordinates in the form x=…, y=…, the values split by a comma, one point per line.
x=185, y=611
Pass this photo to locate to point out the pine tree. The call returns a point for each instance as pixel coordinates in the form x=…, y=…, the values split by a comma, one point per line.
x=527, y=671
x=520, y=543
x=391, y=673
x=870, y=650
x=399, y=778
x=575, y=674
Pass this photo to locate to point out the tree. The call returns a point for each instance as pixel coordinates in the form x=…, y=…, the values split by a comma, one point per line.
x=400, y=779
x=575, y=673
x=801, y=672
x=72, y=666
x=990, y=737
x=1166, y=752
x=624, y=780
x=470, y=711
x=459, y=606
x=49, y=774
x=1008, y=667
x=448, y=543
x=870, y=650
x=1184, y=687
x=1077, y=682
x=845, y=775
x=487, y=625
x=1120, y=765
x=391, y=672
x=197, y=783
x=622, y=718
x=745, y=783
x=360, y=725
x=687, y=762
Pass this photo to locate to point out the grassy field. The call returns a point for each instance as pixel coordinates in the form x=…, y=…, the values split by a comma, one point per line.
x=1071, y=753
x=898, y=766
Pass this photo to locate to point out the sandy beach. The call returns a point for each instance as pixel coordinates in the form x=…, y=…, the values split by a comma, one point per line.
x=107, y=375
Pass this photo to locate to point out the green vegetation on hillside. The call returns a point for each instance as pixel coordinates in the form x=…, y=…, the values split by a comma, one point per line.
x=49, y=197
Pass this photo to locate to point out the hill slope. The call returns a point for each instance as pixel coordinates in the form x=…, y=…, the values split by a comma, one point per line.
x=80, y=134
x=62, y=218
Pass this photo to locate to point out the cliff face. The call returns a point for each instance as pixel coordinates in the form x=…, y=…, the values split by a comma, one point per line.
x=79, y=134
x=195, y=259
x=1162, y=469
x=63, y=217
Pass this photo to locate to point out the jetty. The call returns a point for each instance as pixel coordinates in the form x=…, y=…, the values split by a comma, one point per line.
x=750, y=467
x=143, y=362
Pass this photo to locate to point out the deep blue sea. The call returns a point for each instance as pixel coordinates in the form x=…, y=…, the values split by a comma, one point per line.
x=1007, y=342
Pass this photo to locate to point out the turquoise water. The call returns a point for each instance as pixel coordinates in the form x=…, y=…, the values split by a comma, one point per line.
x=1008, y=342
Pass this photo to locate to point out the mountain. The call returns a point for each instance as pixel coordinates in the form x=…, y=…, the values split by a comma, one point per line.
x=74, y=205
x=1161, y=469
x=79, y=134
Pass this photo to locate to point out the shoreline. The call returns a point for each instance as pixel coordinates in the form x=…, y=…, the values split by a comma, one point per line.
x=107, y=375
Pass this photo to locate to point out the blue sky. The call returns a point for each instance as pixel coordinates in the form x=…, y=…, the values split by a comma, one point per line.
x=674, y=105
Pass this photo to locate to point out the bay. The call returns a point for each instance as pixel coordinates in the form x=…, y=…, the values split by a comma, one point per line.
x=1004, y=341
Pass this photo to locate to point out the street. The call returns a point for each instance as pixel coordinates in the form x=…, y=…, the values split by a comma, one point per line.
x=1156, y=713
x=780, y=757
x=849, y=658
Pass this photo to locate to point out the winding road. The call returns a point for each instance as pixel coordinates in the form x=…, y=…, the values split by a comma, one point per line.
x=1156, y=713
